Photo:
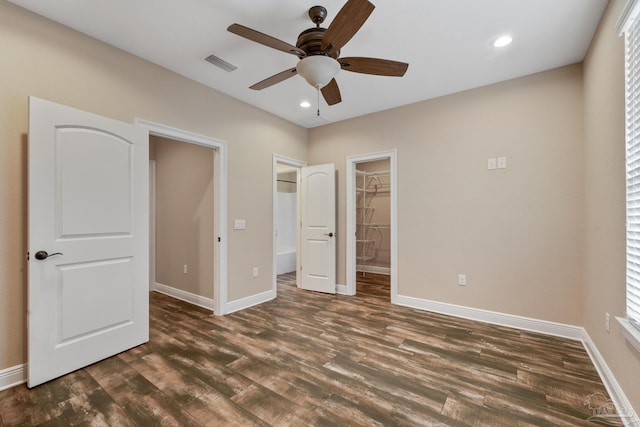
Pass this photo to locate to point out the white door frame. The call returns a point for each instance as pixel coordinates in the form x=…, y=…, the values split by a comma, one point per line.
x=352, y=162
x=297, y=164
x=152, y=224
x=219, y=203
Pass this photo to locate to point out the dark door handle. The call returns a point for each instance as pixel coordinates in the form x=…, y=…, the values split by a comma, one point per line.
x=44, y=255
x=328, y=234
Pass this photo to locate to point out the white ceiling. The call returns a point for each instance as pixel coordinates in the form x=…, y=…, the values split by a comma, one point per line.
x=446, y=42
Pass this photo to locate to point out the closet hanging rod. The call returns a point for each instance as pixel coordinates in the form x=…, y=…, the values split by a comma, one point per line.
x=284, y=180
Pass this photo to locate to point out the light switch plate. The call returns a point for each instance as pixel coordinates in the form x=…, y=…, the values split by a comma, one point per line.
x=491, y=163
x=239, y=224
x=502, y=162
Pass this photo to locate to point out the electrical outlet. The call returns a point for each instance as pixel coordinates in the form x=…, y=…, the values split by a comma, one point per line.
x=462, y=279
x=254, y=272
x=185, y=269
x=607, y=323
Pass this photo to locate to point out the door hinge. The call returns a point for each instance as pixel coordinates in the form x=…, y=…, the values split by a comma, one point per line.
x=27, y=255
x=219, y=240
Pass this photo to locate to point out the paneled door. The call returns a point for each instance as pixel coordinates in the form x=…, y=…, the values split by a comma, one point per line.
x=88, y=239
x=318, y=225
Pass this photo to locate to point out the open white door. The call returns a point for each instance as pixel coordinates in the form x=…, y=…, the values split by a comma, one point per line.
x=88, y=239
x=318, y=222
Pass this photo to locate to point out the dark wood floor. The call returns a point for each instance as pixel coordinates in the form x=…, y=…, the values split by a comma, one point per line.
x=308, y=359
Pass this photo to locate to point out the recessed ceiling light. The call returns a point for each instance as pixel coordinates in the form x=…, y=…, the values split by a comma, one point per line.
x=502, y=41
x=305, y=104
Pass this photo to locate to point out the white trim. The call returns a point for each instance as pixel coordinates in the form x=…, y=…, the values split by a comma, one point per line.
x=220, y=202
x=276, y=158
x=628, y=15
x=623, y=406
x=13, y=376
x=496, y=318
x=189, y=297
x=341, y=289
x=631, y=333
x=352, y=161
x=250, y=301
x=152, y=224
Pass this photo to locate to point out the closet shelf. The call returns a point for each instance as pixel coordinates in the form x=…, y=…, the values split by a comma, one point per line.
x=368, y=174
x=375, y=225
x=383, y=189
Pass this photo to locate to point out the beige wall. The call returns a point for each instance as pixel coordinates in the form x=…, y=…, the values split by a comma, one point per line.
x=604, y=253
x=184, y=216
x=47, y=60
x=516, y=233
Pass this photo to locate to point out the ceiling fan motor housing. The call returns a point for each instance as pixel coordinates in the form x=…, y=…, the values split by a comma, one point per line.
x=310, y=41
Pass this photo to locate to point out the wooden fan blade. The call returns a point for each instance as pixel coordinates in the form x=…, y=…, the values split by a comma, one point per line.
x=331, y=93
x=276, y=78
x=265, y=39
x=346, y=23
x=378, y=67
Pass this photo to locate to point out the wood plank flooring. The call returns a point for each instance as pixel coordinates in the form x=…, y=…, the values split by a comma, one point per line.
x=309, y=359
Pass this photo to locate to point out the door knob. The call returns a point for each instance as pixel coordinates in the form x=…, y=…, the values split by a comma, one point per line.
x=44, y=255
x=328, y=234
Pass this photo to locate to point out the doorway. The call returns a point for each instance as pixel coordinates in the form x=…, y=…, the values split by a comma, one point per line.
x=286, y=212
x=219, y=188
x=182, y=219
x=372, y=218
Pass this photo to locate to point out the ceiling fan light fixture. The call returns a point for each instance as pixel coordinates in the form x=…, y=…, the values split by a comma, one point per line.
x=305, y=104
x=318, y=70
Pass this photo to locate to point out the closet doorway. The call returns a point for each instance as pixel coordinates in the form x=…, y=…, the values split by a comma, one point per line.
x=286, y=213
x=211, y=225
x=182, y=220
x=371, y=220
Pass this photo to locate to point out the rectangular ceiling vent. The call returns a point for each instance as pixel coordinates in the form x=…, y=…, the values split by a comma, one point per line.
x=220, y=63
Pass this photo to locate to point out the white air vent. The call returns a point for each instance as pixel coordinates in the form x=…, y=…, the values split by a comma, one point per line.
x=220, y=63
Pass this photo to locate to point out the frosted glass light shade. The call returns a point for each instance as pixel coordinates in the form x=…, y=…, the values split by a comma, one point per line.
x=318, y=70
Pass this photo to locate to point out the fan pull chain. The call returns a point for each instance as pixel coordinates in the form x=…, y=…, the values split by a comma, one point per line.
x=318, y=101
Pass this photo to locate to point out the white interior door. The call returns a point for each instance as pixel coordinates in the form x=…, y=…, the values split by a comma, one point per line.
x=88, y=239
x=318, y=225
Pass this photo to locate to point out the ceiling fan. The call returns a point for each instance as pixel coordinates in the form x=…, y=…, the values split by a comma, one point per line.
x=318, y=50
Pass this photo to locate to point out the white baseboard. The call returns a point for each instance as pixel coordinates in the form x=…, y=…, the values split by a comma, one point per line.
x=624, y=409
x=11, y=377
x=184, y=296
x=518, y=322
x=341, y=289
x=247, y=302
